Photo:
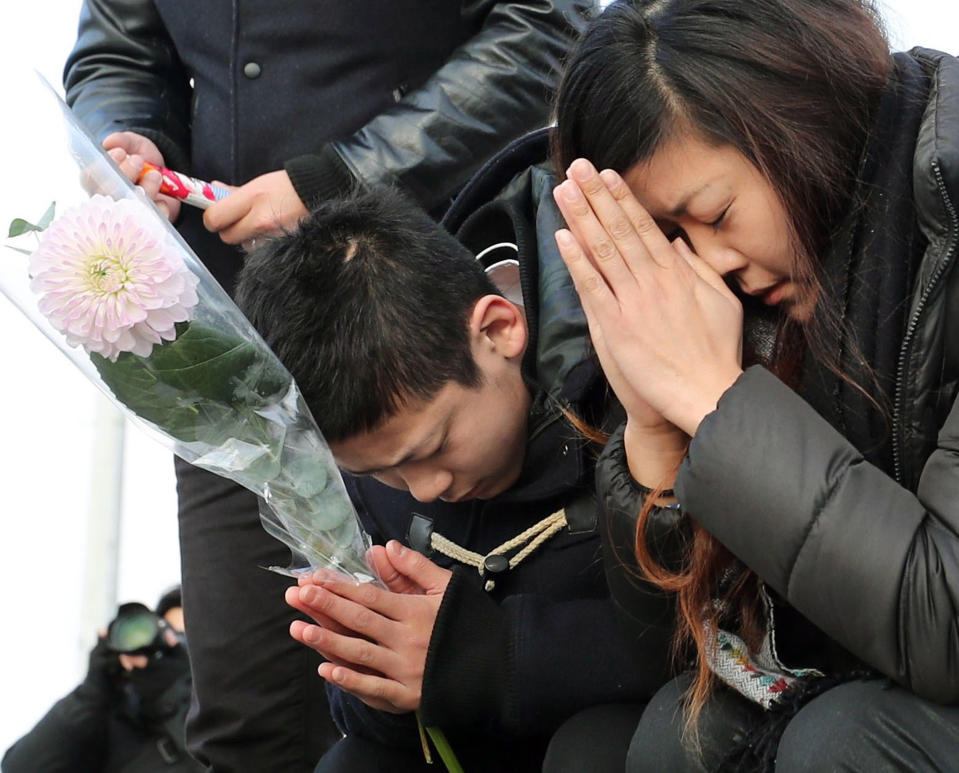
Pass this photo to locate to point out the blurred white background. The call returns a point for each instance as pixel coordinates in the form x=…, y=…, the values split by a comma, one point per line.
x=49, y=460
x=48, y=457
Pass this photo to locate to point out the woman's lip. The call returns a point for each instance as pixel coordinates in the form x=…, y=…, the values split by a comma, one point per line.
x=774, y=294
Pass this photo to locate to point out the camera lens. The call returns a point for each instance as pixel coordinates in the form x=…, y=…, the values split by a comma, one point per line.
x=134, y=629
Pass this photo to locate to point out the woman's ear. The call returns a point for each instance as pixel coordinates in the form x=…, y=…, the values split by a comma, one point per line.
x=498, y=325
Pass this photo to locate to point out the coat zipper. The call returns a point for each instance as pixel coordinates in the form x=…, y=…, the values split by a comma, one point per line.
x=914, y=324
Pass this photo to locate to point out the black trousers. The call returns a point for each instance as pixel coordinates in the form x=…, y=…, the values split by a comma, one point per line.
x=258, y=702
x=359, y=755
x=857, y=726
x=594, y=741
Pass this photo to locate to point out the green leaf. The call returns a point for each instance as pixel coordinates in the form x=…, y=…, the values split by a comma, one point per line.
x=205, y=385
x=47, y=218
x=25, y=252
x=217, y=365
x=19, y=226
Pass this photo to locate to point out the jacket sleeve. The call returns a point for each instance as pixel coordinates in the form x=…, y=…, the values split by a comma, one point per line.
x=527, y=663
x=647, y=612
x=493, y=88
x=124, y=74
x=517, y=667
x=875, y=566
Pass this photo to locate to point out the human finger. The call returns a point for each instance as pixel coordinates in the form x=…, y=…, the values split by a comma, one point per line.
x=354, y=651
x=150, y=181
x=422, y=572
x=227, y=212
x=610, y=232
x=134, y=143
x=378, y=692
x=292, y=597
x=117, y=154
x=169, y=206
x=131, y=165
x=356, y=612
x=592, y=288
x=658, y=247
x=591, y=235
x=300, y=631
x=249, y=230
x=598, y=302
x=391, y=578
x=387, y=603
x=703, y=270
x=118, y=141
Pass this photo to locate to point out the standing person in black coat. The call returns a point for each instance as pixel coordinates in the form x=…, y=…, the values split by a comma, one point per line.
x=778, y=159
x=294, y=103
x=128, y=714
x=448, y=405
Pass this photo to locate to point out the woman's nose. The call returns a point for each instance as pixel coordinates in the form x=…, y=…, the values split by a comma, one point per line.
x=717, y=256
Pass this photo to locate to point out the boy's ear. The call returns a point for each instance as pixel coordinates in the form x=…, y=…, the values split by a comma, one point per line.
x=499, y=325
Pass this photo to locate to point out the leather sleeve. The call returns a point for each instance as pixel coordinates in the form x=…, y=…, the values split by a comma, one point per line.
x=124, y=74
x=872, y=564
x=495, y=87
x=647, y=613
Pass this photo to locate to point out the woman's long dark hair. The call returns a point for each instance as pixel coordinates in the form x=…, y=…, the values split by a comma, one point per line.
x=792, y=85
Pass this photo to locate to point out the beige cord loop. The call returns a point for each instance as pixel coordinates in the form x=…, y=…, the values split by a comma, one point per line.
x=535, y=536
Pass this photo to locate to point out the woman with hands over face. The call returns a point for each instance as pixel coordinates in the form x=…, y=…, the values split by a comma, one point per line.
x=761, y=210
x=667, y=376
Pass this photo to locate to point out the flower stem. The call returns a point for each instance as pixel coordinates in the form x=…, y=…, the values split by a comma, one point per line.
x=423, y=741
x=438, y=737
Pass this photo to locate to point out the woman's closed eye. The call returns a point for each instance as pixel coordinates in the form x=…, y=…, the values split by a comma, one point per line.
x=719, y=220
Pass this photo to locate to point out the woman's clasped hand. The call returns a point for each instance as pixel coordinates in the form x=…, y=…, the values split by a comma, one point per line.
x=667, y=329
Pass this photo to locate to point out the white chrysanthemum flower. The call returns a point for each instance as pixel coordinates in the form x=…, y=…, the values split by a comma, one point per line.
x=111, y=279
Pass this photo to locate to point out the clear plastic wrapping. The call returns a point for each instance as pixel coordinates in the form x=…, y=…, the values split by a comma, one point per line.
x=109, y=281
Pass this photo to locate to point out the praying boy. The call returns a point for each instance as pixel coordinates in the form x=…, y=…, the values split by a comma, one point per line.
x=458, y=417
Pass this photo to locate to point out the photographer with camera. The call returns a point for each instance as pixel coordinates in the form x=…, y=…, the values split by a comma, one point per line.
x=128, y=714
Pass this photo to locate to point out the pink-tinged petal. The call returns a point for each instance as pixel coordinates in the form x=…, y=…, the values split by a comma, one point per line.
x=168, y=335
x=160, y=319
x=109, y=276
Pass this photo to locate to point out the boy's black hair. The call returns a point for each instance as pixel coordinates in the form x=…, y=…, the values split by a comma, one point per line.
x=367, y=304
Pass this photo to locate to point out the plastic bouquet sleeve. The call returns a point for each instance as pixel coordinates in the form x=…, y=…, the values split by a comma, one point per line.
x=96, y=266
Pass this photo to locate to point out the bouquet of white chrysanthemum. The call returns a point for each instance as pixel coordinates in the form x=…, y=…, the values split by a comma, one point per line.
x=115, y=287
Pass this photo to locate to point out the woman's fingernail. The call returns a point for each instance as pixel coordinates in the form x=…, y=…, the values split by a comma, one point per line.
x=609, y=178
x=396, y=548
x=580, y=169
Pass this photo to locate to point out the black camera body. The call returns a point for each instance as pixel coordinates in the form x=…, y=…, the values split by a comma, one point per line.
x=137, y=630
